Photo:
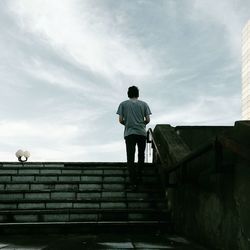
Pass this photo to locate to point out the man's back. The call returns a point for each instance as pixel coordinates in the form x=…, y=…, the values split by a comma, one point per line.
x=134, y=112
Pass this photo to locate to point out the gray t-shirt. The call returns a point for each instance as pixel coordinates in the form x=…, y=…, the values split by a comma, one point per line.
x=134, y=112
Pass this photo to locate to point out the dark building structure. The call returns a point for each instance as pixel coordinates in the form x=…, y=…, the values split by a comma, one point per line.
x=206, y=171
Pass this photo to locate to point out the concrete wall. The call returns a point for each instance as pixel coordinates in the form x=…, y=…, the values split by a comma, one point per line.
x=208, y=205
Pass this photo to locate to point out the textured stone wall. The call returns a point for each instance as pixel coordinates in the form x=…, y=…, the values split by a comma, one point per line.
x=209, y=205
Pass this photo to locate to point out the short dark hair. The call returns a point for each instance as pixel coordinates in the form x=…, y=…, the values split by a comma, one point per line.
x=133, y=92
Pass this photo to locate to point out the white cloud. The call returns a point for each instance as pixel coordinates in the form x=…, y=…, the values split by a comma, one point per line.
x=67, y=151
x=84, y=33
x=55, y=75
x=17, y=129
x=204, y=110
x=225, y=14
x=50, y=142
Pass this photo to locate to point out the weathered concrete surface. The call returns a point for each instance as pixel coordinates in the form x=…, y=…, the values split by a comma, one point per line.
x=170, y=145
x=195, y=136
x=212, y=206
x=172, y=149
x=242, y=200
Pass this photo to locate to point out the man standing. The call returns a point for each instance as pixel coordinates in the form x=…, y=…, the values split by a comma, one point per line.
x=134, y=114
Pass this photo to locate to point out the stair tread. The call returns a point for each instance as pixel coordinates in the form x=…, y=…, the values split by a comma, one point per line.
x=102, y=199
x=134, y=222
x=71, y=182
x=77, y=175
x=64, y=165
x=143, y=190
x=67, y=200
x=84, y=210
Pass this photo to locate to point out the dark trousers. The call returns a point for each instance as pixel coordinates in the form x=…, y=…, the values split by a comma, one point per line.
x=131, y=142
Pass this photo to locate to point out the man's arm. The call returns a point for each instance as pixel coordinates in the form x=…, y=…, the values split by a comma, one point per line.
x=121, y=120
x=147, y=119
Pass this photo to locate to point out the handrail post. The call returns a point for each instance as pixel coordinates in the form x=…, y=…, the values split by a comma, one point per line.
x=149, y=137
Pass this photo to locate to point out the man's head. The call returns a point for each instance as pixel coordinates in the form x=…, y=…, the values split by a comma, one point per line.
x=133, y=92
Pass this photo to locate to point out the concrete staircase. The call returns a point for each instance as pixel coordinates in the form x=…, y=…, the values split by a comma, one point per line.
x=79, y=195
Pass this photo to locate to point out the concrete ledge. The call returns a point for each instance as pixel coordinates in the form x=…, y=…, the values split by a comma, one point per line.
x=171, y=146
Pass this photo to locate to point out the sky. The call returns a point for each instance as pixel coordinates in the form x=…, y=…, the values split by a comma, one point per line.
x=65, y=65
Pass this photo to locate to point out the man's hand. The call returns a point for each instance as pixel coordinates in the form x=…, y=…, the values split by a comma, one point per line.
x=121, y=120
x=147, y=119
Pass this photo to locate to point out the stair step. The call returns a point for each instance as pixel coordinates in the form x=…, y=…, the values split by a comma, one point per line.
x=29, y=206
x=86, y=227
x=103, y=223
x=50, y=215
x=69, y=196
x=70, y=177
x=39, y=184
x=49, y=195
x=83, y=166
x=88, y=203
x=56, y=172
x=77, y=210
x=140, y=189
x=101, y=199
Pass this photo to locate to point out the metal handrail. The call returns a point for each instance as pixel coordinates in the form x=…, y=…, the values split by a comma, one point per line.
x=150, y=133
